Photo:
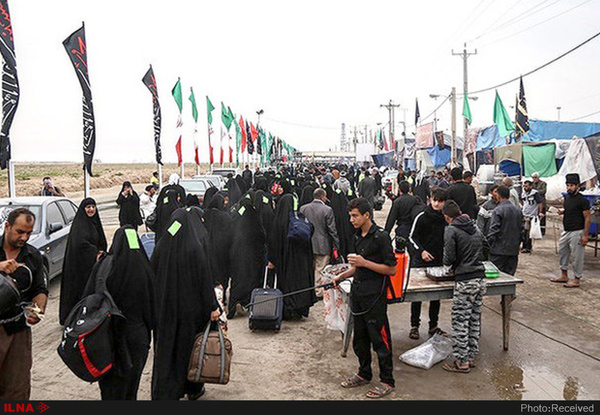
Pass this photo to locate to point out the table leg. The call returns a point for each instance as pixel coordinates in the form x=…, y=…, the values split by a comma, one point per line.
x=348, y=331
x=506, y=303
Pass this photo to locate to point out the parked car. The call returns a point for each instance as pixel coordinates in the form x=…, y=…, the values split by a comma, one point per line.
x=196, y=187
x=53, y=219
x=217, y=180
x=224, y=171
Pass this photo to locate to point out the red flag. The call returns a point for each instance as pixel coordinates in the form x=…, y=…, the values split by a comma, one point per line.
x=253, y=132
x=178, y=149
x=385, y=143
x=196, y=155
x=392, y=143
x=221, y=146
x=243, y=127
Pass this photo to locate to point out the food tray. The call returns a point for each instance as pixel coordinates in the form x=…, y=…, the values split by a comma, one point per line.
x=438, y=274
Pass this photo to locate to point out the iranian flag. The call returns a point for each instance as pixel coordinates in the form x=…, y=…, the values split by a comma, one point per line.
x=195, y=115
x=177, y=96
x=209, y=110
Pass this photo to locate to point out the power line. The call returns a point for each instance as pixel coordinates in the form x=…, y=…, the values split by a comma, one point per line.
x=585, y=116
x=539, y=67
x=496, y=21
x=527, y=13
x=538, y=24
x=302, y=125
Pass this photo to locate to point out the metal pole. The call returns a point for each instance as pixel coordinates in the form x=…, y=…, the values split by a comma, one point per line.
x=159, y=169
x=11, y=179
x=86, y=183
x=453, y=162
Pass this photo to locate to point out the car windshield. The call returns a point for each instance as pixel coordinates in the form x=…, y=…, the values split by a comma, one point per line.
x=6, y=209
x=193, y=186
x=224, y=173
x=215, y=181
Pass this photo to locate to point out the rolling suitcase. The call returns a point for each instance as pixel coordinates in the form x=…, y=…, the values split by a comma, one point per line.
x=266, y=309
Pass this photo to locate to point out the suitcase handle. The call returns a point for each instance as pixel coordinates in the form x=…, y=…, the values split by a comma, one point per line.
x=265, y=280
x=203, y=350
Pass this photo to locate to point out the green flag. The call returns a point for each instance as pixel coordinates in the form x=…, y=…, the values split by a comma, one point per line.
x=231, y=116
x=467, y=110
x=209, y=109
x=177, y=94
x=501, y=118
x=225, y=117
x=194, y=109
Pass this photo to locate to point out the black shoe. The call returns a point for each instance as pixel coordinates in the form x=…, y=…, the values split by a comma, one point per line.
x=195, y=396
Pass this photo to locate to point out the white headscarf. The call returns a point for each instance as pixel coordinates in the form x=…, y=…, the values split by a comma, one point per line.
x=174, y=178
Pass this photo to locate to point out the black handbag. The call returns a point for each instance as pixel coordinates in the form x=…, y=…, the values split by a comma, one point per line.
x=299, y=227
x=10, y=296
x=151, y=221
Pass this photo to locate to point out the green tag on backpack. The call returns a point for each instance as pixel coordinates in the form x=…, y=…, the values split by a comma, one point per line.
x=166, y=200
x=174, y=228
x=293, y=182
x=349, y=192
x=338, y=191
x=132, y=239
x=242, y=210
x=295, y=203
x=265, y=200
x=248, y=196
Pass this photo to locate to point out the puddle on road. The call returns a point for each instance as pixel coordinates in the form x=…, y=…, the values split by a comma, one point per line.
x=515, y=383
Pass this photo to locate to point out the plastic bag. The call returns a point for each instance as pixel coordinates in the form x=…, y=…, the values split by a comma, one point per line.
x=536, y=229
x=427, y=354
x=335, y=300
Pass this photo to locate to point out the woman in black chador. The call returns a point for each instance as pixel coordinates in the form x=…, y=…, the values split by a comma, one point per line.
x=167, y=203
x=129, y=206
x=292, y=261
x=186, y=303
x=218, y=223
x=248, y=254
x=234, y=193
x=130, y=283
x=85, y=244
x=210, y=192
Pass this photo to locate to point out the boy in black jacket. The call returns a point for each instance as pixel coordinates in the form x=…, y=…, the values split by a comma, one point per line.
x=465, y=249
x=426, y=241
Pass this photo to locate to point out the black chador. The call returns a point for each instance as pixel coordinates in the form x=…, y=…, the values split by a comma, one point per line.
x=130, y=283
x=248, y=254
x=185, y=298
x=293, y=261
x=86, y=240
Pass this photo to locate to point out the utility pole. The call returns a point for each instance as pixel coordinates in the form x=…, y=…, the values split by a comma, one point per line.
x=391, y=107
x=453, y=160
x=465, y=55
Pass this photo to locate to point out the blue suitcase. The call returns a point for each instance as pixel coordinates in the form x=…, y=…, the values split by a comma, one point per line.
x=267, y=313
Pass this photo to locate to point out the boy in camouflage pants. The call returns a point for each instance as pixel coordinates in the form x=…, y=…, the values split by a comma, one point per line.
x=465, y=249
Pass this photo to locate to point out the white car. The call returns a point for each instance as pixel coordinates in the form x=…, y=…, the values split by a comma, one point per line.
x=53, y=219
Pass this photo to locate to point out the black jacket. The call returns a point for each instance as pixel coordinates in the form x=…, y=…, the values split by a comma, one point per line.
x=402, y=211
x=465, y=249
x=506, y=228
x=464, y=195
x=427, y=234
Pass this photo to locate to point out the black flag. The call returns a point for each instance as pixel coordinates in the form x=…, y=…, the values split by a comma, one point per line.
x=76, y=48
x=150, y=81
x=10, y=83
x=521, y=119
x=249, y=141
x=417, y=112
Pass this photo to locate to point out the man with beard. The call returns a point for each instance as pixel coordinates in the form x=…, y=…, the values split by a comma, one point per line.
x=186, y=303
x=292, y=260
x=86, y=242
x=325, y=238
x=24, y=264
x=247, y=176
x=248, y=255
x=130, y=283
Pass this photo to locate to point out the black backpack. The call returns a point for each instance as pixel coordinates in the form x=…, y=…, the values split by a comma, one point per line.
x=88, y=346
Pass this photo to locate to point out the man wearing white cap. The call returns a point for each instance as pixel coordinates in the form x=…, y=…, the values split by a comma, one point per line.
x=574, y=238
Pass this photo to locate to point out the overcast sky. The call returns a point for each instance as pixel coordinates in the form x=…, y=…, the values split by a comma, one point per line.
x=310, y=65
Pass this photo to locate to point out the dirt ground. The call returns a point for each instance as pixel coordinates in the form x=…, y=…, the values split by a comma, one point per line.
x=554, y=351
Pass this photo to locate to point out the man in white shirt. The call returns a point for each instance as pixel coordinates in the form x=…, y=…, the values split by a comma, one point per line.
x=148, y=200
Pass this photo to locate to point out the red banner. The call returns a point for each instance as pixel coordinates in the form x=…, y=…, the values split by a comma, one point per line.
x=424, y=136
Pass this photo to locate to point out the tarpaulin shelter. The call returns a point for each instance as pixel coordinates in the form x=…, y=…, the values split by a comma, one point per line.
x=383, y=159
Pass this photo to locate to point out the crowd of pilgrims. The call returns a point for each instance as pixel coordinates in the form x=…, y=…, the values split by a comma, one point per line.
x=231, y=240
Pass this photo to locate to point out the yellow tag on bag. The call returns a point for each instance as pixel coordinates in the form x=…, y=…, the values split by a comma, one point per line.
x=242, y=210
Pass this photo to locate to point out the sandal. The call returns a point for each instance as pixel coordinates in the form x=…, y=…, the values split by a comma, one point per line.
x=455, y=367
x=414, y=333
x=354, y=381
x=380, y=391
x=436, y=330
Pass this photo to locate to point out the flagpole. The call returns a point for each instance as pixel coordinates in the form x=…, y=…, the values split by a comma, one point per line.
x=159, y=169
x=86, y=183
x=11, y=179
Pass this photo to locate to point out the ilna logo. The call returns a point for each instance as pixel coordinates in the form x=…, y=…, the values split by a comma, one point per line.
x=24, y=407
